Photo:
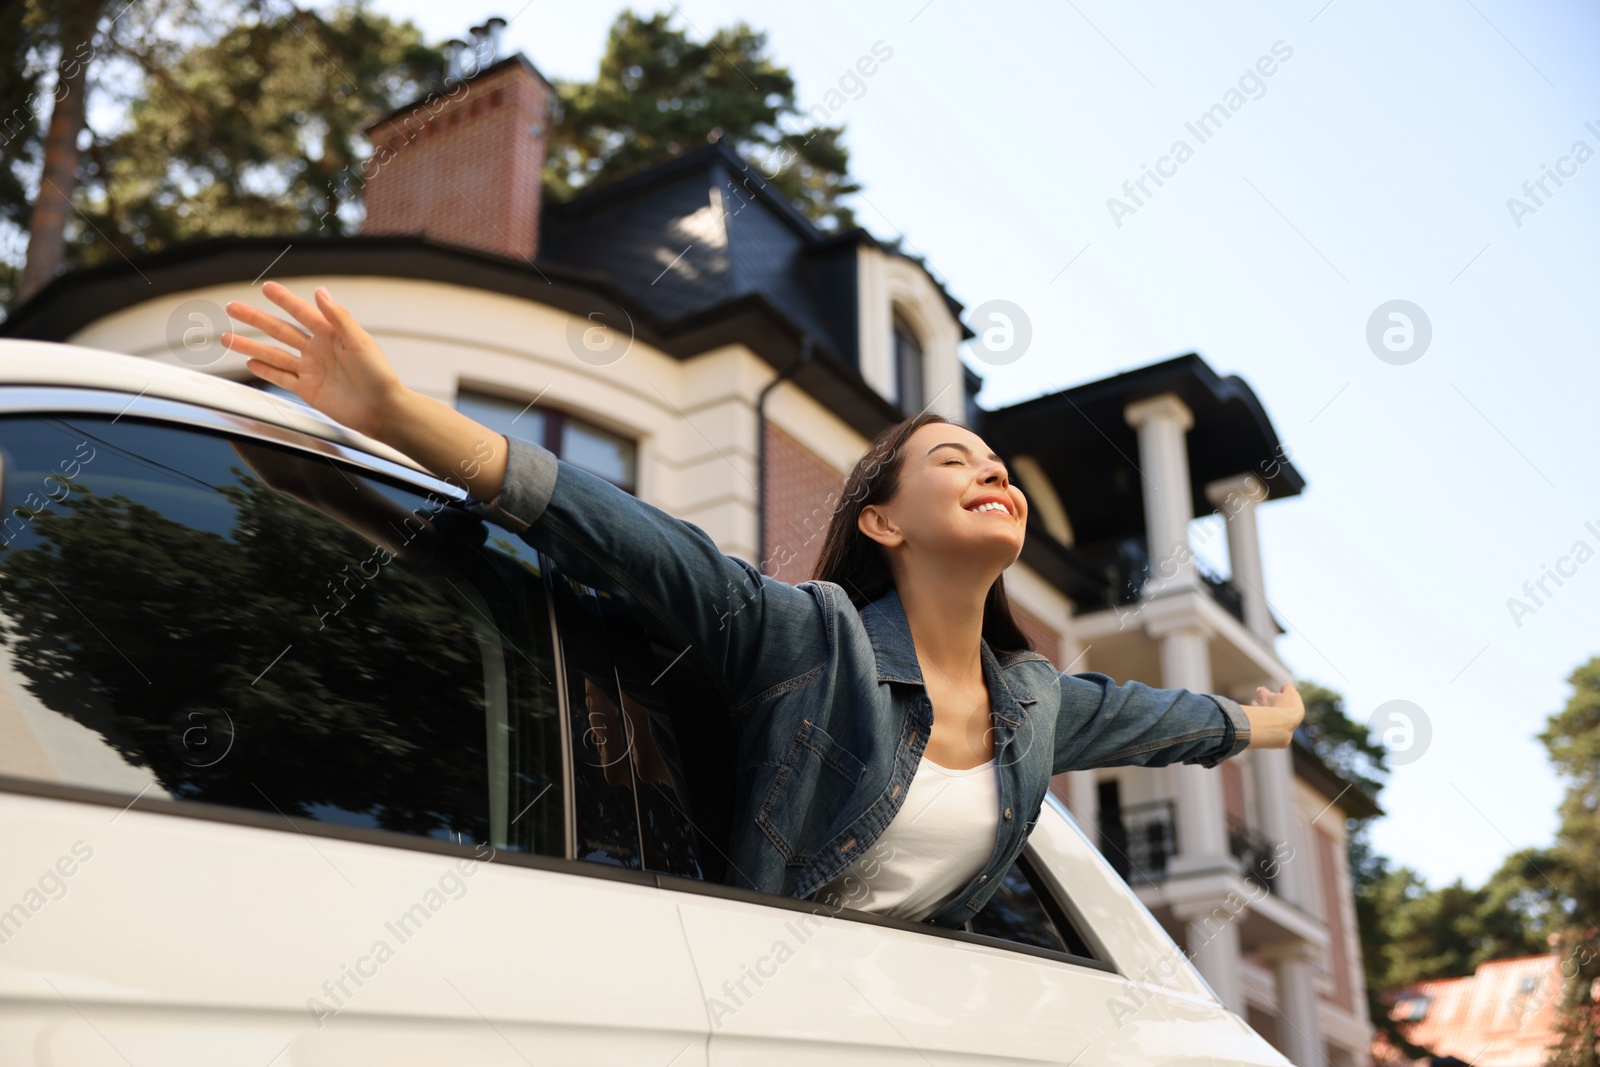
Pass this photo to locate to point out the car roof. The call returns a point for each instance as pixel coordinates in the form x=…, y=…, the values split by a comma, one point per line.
x=51, y=364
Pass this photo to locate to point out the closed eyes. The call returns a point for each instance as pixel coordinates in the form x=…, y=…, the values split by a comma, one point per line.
x=951, y=460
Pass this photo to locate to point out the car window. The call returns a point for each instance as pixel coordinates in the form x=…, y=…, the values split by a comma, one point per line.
x=1024, y=911
x=205, y=617
x=648, y=743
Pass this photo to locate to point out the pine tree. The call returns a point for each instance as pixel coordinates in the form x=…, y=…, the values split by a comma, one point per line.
x=258, y=131
x=658, y=94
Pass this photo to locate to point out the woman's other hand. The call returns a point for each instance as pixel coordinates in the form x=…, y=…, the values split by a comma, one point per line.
x=335, y=365
x=1274, y=716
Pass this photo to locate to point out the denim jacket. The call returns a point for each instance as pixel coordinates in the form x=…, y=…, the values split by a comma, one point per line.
x=828, y=700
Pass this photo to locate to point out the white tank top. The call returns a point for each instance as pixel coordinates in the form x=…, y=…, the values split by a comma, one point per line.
x=937, y=842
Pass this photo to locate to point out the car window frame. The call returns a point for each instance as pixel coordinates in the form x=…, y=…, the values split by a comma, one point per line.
x=52, y=400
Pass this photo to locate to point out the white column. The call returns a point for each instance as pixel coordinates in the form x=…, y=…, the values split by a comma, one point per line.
x=1275, y=814
x=1211, y=935
x=1201, y=811
x=1301, y=1034
x=1162, y=422
x=1236, y=498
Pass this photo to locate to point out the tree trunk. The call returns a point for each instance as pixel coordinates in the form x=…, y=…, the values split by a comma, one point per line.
x=47, y=239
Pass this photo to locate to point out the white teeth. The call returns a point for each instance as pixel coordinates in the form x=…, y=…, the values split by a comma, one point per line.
x=992, y=506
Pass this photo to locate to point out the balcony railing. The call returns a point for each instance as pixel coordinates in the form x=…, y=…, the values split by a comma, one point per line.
x=1222, y=590
x=1254, y=852
x=1140, y=839
x=1128, y=573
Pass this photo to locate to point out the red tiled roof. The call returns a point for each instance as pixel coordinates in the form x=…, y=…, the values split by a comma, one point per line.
x=1503, y=1015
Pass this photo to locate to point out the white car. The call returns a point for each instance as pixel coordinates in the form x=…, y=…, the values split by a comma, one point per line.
x=302, y=762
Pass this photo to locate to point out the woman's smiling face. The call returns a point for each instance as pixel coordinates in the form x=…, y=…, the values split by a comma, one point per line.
x=955, y=499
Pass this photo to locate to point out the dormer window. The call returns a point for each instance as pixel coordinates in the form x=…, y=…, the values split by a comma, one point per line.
x=908, y=389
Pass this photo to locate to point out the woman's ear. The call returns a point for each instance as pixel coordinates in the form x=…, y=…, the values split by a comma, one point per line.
x=875, y=524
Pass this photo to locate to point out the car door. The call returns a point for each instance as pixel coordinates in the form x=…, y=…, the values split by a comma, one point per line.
x=284, y=766
x=1039, y=978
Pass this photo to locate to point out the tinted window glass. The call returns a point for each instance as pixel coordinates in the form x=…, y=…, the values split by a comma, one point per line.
x=605, y=815
x=220, y=619
x=1022, y=910
x=1015, y=914
x=644, y=786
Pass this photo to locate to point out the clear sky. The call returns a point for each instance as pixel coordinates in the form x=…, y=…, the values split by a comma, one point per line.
x=1374, y=164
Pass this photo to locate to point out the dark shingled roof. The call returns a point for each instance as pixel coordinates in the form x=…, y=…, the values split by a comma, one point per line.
x=705, y=228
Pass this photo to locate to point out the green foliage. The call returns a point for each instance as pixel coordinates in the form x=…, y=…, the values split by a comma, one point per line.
x=1572, y=867
x=21, y=131
x=256, y=132
x=1444, y=932
x=36, y=38
x=1346, y=746
x=658, y=94
x=243, y=117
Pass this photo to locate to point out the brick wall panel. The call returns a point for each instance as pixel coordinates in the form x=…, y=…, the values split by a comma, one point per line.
x=802, y=492
x=1333, y=910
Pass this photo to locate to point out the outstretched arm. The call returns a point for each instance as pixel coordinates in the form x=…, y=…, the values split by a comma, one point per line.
x=724, y=609
x=1102, y=724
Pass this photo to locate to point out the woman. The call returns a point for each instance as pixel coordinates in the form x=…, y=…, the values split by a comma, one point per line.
x=896, y=733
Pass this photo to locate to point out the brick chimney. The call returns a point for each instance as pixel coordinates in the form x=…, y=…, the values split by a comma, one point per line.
x=463, y=164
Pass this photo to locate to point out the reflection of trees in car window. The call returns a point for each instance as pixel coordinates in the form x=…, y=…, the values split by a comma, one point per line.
x=367, y=659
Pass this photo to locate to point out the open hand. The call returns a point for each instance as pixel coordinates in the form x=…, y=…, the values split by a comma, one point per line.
x=339, y=369
x=1274, y=716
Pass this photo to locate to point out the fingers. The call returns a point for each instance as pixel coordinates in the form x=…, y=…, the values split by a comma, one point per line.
x=335, y=313
x=350, y=330
x=270, y=325
x=268, y=354
x=281, y=378
x=306, y=313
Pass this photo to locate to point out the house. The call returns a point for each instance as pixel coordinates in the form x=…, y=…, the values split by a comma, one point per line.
x=1503, y=1014
x=689, y=335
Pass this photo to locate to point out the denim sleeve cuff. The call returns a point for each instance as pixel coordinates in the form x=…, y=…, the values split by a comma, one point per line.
x=530, y=479
x=1236, y=731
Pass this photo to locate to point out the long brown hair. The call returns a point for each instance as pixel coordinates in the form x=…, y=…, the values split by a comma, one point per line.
x=855, y=561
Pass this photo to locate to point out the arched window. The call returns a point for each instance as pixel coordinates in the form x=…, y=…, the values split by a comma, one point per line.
x=908, y=388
